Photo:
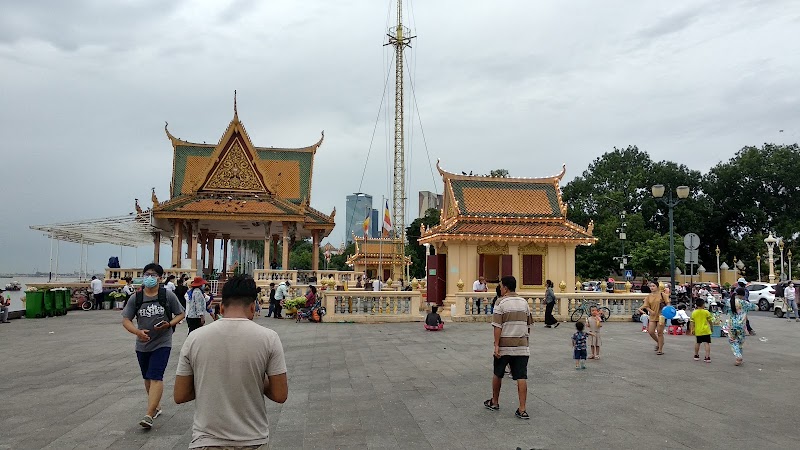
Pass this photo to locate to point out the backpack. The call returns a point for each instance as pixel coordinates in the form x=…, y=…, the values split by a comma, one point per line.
x=113, y=262
x=162, y=300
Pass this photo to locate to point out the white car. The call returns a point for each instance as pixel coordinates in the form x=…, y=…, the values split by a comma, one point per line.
x=762, y=294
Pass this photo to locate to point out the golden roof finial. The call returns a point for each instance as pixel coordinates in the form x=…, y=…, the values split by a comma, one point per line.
x=153, y=197
x=235, y=111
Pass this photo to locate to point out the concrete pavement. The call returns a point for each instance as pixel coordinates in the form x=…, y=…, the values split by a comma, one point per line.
x=73, y=382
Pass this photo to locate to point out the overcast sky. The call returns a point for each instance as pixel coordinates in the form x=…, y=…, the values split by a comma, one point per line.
x=523, y=85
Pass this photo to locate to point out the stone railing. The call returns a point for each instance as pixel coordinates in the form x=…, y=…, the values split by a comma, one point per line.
x=264, y=277
x=340, y=276
x=118, y=274
x=360, y=306
x=477, y=306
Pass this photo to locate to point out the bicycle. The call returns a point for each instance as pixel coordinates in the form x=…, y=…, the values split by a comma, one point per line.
x=585, y=308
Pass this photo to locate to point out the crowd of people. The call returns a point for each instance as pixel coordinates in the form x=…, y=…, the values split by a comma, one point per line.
x=229, y=380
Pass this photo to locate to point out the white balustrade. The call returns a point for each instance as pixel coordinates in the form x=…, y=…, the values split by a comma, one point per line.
x=622, y=306
x=366, y=306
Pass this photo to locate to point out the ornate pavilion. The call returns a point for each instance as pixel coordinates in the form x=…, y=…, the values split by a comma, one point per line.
x=379, y=256
x=235, y=190
x=502, y=226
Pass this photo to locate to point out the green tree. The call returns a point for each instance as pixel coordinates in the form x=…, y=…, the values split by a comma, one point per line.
x=651, y=257
x=413, y=248
x=621, y=180
x=751, y=194
x=339, y=262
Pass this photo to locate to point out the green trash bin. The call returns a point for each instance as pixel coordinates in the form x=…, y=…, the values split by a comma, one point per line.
x=58, y=295
x=34, y=304
x=49, y=303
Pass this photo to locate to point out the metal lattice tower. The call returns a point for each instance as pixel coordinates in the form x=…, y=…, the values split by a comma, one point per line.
x=399, y=38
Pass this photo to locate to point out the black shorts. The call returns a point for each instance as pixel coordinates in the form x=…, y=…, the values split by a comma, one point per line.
x=519, y=366
x=703, y=338
x=579, y=354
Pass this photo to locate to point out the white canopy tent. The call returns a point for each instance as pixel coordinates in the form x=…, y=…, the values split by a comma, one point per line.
x=132, y=230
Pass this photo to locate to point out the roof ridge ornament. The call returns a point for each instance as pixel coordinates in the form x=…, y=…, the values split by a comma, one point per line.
x=235, y=109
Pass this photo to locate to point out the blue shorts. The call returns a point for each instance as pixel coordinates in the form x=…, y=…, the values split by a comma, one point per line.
x=579, y=354
x=153, y=364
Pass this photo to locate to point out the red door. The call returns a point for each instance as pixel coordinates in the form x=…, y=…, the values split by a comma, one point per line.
x=437, y=278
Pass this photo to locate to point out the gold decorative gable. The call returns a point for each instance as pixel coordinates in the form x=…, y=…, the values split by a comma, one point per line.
x=235, y=171
x=493, y=248
x=532, y=249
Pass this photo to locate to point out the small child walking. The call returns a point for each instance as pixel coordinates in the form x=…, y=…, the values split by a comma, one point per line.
x=700, y=325
x=579, y=346
x=595, y=322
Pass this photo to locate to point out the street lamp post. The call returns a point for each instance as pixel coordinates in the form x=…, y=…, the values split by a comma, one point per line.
x=758, y=262
x=770, y=241
x=790, y=263
x=658, y=194
x=780, y=246
x=718, y=270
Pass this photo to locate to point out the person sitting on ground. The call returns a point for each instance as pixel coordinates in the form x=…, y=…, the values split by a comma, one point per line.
x=311, y=296
x=681, y=318
x=433, y=321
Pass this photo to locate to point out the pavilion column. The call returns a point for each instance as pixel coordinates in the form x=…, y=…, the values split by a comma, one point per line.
x=285, y=255
x=211, y=243
x=202, y=238
x=275, y=238
x=224, y=274
x=177, y=242
x=156, y=247
x=191, y=242
x=315, y=250
x=267, y=243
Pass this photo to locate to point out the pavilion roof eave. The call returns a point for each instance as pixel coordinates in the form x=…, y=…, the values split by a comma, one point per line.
x=439, y=237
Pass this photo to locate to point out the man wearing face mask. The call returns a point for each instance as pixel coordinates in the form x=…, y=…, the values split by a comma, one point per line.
x=156, y=310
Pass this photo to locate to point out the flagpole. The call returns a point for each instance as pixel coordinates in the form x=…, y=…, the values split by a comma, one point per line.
x=380, y=243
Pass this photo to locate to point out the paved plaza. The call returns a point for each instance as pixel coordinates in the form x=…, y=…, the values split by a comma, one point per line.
x=73, y=382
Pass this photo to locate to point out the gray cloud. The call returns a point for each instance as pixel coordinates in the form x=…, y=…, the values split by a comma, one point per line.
x=516, y=84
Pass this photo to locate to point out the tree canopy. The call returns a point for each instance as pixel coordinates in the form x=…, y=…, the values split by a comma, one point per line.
x=734, y=205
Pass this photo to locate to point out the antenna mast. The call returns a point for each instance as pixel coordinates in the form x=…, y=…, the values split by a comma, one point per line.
x=399, y=38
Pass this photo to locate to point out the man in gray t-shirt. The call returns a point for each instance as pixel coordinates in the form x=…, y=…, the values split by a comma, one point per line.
x=228, y=368
x=156, y=311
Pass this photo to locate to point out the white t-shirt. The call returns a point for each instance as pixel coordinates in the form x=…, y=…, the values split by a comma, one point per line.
x=97, y=286
x=170, y=286
x=681, y=314
x=377, y=285
x=128, y=290
x=477, y=286
x=229, y=360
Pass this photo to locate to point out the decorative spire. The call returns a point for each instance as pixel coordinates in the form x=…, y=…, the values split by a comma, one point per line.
x=235, y=110
x=154, y=198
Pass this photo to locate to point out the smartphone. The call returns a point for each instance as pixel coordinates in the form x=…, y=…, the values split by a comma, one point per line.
x=162, y=323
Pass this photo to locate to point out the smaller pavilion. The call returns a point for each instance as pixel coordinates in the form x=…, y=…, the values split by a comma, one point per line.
x=494, y=227
x=379, y=256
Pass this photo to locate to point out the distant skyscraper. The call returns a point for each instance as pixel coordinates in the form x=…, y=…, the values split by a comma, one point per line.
x=358, y=208
x=375, y=224
x=428, y=200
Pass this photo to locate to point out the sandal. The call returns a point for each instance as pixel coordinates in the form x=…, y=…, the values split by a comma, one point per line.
x=597, y=357
x=591, y=357
x=659, y=353
x=488, y=404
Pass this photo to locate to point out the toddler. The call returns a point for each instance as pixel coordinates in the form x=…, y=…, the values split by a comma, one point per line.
x=579, y=346
x=595, y=322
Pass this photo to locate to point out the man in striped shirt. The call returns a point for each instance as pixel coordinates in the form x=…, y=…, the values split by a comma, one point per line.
x=512, y=325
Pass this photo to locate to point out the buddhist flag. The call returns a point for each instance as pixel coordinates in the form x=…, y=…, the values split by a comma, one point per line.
x=366, y=224
x=387, y=219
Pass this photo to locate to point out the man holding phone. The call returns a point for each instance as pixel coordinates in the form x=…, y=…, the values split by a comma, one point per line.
x=156, y=310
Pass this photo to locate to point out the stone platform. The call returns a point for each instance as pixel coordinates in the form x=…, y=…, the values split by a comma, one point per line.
x=73, y=382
